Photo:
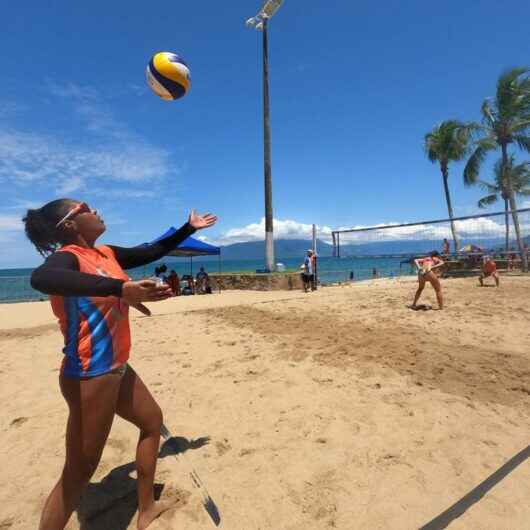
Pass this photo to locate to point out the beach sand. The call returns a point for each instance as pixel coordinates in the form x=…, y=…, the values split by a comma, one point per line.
x=335, y=409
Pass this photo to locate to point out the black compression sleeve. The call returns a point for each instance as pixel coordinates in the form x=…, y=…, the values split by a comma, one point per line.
x=60, y=275
x=129, y=258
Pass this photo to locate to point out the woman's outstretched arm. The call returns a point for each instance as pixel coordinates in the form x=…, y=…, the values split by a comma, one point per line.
x=129, y=258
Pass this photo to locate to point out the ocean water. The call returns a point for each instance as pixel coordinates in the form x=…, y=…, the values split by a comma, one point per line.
x=15, y=283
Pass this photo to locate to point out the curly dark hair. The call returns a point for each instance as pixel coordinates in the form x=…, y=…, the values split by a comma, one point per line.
x=40, y=225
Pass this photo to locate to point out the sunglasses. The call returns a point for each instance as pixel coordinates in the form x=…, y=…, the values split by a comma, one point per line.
x=82, y=207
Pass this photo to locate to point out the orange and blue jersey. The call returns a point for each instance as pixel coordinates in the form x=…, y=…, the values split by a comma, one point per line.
x=96, y=330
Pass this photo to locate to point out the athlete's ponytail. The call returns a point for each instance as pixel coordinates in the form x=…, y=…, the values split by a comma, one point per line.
x=40, y=225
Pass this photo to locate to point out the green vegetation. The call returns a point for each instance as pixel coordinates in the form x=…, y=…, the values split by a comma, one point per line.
x=520, y=179
x=505, y=125
x=505, y=122
x=448, y=142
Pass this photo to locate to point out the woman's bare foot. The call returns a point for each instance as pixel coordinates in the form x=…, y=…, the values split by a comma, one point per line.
x=148, y=516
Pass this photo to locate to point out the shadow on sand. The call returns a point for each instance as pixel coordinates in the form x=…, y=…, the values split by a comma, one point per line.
x=175, y=446
x=420, y=307
x=460, y=507
x=112, y=503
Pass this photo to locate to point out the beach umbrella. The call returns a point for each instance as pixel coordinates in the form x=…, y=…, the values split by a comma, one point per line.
x=471, y=248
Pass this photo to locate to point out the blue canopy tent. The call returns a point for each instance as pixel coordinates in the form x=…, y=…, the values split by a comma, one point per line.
x=190, y=247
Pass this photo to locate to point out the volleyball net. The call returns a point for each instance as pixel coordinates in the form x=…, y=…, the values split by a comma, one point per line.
x=491, y=233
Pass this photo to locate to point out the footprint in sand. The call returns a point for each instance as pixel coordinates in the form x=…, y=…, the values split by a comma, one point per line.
x=175, y=496
x=222, y=447
x=17, y=422
x=6, y=523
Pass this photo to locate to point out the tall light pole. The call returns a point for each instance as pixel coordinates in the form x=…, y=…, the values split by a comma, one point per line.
x=260, y=22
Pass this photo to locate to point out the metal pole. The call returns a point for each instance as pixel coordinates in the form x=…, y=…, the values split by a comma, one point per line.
x=315, y=271
x=269, y=240
x=219, y=266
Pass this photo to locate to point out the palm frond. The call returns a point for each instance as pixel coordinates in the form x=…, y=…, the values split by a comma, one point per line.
x=471, y=171
x=488, y=187
x=520, y=125
x=520, y=178
x=486, y=201
x=521, y=171
x=448, y=141
x=523, y=142
x=510, y=95
x=509, y=76
x=430, y=145
x=487, y=113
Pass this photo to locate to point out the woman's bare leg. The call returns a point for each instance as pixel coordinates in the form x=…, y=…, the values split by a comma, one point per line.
x=92, y=404
x=137, y=405
x=421, y=285
x=435, y=282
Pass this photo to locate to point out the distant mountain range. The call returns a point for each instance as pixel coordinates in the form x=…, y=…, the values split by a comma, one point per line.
x=296, y=248
x=283, y=248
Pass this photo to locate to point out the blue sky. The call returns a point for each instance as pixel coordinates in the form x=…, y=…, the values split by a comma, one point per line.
x=354, y=88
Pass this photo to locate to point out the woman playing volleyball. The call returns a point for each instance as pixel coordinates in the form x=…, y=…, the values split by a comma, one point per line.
x=90, y=294
x=426, y=273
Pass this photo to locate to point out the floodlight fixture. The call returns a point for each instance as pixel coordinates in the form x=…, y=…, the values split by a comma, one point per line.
x=270, y=7
x=267, y=11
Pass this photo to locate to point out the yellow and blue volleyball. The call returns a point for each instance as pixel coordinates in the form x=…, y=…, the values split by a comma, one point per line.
x=168, y=75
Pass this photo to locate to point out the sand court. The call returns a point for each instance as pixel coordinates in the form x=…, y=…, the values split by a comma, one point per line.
x=335, y=409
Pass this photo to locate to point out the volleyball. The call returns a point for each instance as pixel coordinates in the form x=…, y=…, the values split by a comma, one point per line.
x=168, y=75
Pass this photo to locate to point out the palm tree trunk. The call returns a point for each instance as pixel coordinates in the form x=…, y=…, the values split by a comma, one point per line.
x=513, y=206
x=445, y=175
x=507, y=223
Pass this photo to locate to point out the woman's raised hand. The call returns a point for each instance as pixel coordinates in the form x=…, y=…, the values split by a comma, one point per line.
x=144, y=291
x=201, y=221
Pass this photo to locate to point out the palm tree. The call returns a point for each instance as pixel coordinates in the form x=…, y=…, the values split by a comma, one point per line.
x=505, y=121
x=448, y=142
x=520, y=179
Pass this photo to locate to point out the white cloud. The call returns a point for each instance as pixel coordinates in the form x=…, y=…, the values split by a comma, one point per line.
x=69, y=185
x=283, y=229
x=138, y=90
x=477, y=228
x=89, y=104
x=8, y=108
x=73, y=90
x=22, y=205
x=110, y=150
x=9, y=223
x=112, y=219
x=30, y=158
x=123, y=192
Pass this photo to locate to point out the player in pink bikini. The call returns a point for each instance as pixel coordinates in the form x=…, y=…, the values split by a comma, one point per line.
x=90, y=294
x=426, y=274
